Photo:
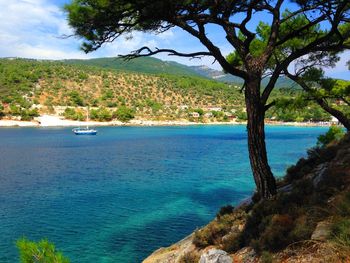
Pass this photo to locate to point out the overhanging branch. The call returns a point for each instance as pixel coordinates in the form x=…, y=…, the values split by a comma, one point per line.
x=146, y=52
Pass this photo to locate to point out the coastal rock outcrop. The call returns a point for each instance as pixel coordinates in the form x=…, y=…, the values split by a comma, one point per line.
x=215, y=256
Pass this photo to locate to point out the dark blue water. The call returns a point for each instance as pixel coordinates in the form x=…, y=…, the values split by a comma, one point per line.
x=118, y=196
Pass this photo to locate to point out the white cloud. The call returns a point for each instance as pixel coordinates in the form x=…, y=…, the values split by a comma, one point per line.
x=34, y=29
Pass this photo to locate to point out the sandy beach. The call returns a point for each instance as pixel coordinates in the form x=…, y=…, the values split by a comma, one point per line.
x=56, y=121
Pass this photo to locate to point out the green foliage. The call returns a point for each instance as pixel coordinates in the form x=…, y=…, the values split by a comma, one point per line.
x=241, y=115
x=72, y=114
x=141, y=65
x=232, y=242
x=124, y=114
x=334, y=134
x=290, y=107
x=266, y=257
x=155, y=106
x=29, y=114
x=101, y=114
x=213, y=232
x=199, y=111
x=1, y=111
x=76, y=98
x=341, y=232
x=228, y=209
x=39, y=252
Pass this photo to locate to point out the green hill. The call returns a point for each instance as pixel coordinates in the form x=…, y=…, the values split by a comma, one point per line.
x=29, y=88
x=139, y=65
x=152, y=65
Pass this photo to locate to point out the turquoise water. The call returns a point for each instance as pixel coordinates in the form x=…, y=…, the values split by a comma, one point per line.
x=118, y=196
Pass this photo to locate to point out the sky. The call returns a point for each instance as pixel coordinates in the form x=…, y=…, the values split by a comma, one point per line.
x=34, y=29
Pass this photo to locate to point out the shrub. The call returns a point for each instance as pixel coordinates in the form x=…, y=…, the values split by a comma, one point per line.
x=228, y=209
x=232, y=242
x=190, y=257
x=343, y=207
x=27, y=115
x=241, y=115
x=15, y=110
x=275, y=236
x=40, y=252
x=341, y=232
x=124, y=114
x=72, y=114
x=76, y=99
x=334, y=133
x=213, y=232
x=266, y=257
x=199, y=111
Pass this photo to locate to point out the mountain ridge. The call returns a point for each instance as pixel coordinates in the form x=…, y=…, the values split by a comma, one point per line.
x=153, y=65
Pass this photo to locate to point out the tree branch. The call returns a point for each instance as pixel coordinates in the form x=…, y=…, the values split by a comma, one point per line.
x=140, y=53
x=214, y=50
x=268, y=106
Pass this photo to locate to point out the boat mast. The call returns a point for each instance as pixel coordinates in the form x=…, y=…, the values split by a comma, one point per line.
x=87, y=118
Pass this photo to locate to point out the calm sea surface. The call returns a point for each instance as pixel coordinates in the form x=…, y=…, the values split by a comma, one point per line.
x=118, y=196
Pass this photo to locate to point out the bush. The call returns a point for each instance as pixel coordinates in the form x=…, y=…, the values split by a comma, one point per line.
x=190, y=257
x=76, y=99
x=266, y=257
x=341, y=232
x=28, y=115
x=228, y=209
x=40, y=252
x=124, y=114
x=241, y=115
x=199, y=111
x=72, y=114
x=275, y=236
x=334, y=133
x=232, y=242
x=101, y=114
x=213, y=232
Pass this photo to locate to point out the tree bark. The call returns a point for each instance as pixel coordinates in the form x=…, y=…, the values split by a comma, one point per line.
x=264, y=179
x=334, y=112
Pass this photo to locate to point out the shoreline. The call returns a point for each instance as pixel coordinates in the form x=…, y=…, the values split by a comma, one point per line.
x=55, y=121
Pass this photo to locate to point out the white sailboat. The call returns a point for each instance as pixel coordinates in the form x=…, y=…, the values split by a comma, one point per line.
x=86, y=130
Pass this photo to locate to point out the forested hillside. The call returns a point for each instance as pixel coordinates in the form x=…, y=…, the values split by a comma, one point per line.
x=29, y=88
x=139, y=65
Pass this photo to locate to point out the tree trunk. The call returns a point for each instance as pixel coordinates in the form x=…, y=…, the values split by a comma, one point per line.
x=334, y=112
x=264, y=179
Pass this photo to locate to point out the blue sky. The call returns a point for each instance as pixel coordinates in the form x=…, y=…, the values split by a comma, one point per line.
x=32, y=29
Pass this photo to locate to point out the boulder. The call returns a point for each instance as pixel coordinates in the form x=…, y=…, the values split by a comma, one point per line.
x=245, y=255
x=215, y=256
x=322, y=231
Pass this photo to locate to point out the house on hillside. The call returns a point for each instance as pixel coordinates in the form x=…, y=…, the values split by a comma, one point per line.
x=229, y=115
x=334, y=121
x=213, y=108
x=208, y=115
x=194, y=114
x=183, y=107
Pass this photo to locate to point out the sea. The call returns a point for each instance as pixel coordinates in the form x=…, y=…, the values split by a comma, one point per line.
x=120, y=195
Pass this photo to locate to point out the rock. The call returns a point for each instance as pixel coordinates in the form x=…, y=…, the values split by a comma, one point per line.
x=322, y=231
x=320, y=173
x=215, y=256
x=285, y=189
x=171, y=254
x=245, y=255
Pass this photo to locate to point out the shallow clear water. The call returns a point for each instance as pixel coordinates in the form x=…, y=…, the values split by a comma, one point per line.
x=117, y=196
